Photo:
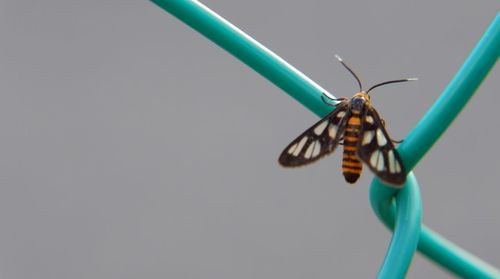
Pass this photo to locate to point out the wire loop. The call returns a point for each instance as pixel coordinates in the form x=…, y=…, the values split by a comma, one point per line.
x=397, y=209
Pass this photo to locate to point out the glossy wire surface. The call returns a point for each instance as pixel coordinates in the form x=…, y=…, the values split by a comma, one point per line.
x=400, y=210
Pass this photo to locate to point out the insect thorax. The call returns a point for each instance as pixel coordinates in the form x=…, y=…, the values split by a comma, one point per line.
x=358, y=102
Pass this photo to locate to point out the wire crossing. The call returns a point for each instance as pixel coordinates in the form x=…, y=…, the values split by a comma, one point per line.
x=399, y=210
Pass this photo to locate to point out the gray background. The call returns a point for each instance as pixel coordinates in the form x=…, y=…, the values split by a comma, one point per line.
x=132, y=147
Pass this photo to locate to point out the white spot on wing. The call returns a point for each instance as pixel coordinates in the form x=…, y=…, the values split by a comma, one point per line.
x=369, y=119
x=377, y=160
x=332, y=131
x=300, y=146
x=392, y=162
x=381, y=140
x=367, y=137
x=398, y=166
x=320, y=128
x=317, y=148
x=309, y=151
x=341, y=114
x=380, y=163
x=374, y=158
x=292, y=148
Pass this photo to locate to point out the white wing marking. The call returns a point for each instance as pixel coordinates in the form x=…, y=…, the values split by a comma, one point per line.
x=381, y=140
x=332, y=131
x=300, y=146
x=367, y=137
x=309, y=151
x=320, y=128
x=317, y=148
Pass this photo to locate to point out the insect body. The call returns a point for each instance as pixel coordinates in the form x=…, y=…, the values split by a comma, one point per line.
x=351, y=166
x=355, y=124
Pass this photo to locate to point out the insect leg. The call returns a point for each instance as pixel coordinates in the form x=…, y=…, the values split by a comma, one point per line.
x=324, y=97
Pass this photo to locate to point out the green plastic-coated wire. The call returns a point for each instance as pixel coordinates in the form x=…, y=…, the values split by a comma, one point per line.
x=454, y=97
x=406, y=225
x=249, y=51
x=401, y=210
x=420, y=140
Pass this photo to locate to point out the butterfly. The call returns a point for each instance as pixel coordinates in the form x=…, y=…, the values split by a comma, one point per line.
x=355, y=124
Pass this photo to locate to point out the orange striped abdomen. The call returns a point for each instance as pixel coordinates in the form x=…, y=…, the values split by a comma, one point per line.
x=351, y=165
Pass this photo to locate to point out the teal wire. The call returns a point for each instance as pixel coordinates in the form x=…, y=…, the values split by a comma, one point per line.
x=406, y=225
x=249, y=51
x=435, y=122
x=308, y=93
x=454, y=97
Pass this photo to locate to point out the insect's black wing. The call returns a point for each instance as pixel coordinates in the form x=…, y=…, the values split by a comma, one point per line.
x=375, y=148
x=319, y=140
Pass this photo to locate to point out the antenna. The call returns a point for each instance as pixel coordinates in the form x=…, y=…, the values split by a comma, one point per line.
x=351, y=71
x=391, y=81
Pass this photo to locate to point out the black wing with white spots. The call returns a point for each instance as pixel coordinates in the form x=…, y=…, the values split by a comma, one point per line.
x=376, y=149
x=319, y=140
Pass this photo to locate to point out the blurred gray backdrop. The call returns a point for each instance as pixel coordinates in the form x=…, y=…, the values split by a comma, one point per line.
x=133, y=147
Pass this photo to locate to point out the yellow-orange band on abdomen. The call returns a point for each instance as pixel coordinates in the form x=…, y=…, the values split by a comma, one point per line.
x=352, y=139
x=351, y=164
x=350, y=148
x=354, y=121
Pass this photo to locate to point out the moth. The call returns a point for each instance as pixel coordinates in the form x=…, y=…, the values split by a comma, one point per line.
x=355, y=124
